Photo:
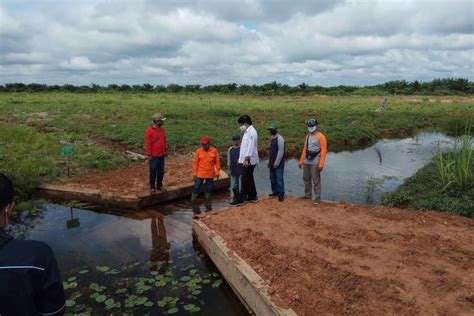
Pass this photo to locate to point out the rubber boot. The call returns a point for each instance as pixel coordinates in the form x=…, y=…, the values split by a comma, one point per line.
x=236, y=195
x=207, y=200
x=194, y=203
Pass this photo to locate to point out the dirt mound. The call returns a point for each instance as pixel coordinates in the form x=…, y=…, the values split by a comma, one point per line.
x=134, y=180
x=347, y=259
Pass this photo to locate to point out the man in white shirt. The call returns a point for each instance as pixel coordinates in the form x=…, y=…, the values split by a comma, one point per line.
x=249, y=159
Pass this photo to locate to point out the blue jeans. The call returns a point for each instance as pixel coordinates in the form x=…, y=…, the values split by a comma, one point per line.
x=199, y=183
x=277, y=181
x=157, y=171
x=235, y=182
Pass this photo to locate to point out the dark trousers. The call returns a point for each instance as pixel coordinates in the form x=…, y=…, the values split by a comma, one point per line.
x=248, y=189
x=157, y=171
x=277, y=181
x=199, y=183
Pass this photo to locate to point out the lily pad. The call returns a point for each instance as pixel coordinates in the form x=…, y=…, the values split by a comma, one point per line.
x=173, y=310
x=102, y=269
x=83, y=271
x=70, y=303
x=72, y=279
x=217, y=283
x=100, y=298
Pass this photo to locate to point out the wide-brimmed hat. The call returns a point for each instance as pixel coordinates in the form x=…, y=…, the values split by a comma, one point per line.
x=158, y=117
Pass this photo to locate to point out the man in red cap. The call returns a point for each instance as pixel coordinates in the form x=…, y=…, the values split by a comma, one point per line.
x=206, y=166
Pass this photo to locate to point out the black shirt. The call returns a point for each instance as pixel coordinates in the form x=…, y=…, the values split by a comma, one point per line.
x=30, y=282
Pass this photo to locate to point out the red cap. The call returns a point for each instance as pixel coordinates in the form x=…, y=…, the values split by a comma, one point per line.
x=205, y=140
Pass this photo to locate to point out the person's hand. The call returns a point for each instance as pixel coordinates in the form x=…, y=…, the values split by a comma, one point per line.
x=217, y=176
x=230, y=172
x=300, y=166
x=275, y=166
x=246, y=163
x=195, y=178
x=320, y=168
x=150, y=157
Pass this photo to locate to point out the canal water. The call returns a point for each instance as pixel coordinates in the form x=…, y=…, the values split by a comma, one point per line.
x=146, y=262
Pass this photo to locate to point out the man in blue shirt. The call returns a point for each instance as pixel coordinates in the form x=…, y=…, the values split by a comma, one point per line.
x=30, y=283
x=235, y=169
x=276, y=163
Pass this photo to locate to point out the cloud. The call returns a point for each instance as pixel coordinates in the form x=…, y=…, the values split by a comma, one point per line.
x=248, y=41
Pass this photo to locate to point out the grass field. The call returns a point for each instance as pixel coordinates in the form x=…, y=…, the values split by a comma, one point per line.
x=101, y=125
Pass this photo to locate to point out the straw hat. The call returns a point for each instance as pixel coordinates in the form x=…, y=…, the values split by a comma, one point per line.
x=158, y=117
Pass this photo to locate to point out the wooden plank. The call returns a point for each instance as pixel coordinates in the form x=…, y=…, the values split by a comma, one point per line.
x=65, y=192
x=248, y=285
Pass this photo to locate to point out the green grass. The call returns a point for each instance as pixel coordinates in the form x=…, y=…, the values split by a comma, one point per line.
x=101, y=124
x=31, y=158
x=427, y=190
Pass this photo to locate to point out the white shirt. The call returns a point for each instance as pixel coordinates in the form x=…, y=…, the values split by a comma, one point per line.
x=249, y=146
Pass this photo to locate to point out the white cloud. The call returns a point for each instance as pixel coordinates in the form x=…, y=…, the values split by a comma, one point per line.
x=248, y=41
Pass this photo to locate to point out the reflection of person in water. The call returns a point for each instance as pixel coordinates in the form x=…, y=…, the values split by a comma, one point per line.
x=160, y=245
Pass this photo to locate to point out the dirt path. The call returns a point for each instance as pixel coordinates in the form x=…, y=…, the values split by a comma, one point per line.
x=133, y=180
x=345, y=259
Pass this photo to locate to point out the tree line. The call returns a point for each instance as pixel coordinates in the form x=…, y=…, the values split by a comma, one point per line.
x=447, y=86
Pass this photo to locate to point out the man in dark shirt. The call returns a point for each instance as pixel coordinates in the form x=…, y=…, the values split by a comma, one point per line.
x=30, y=283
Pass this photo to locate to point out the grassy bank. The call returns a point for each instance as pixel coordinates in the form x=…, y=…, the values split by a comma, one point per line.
x=445, y=184
x=32, y=125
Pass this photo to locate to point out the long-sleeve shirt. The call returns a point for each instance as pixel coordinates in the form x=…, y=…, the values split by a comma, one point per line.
x=277, y=150
x=233, y=161
x=320, y=140
x=30, y=282
x=249, y=146
x=155, y=141
x=206, y=163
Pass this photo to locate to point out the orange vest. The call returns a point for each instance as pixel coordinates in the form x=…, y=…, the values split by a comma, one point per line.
x=324, y=149
x=206, y=164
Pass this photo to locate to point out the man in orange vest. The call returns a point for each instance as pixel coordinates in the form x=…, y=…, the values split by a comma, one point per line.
x=312, y=161
x=207, y=166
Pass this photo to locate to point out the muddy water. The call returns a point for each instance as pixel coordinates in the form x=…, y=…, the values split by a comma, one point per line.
x=147, y=262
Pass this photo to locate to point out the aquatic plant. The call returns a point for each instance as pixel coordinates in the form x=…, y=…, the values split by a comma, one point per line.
x=455, y=167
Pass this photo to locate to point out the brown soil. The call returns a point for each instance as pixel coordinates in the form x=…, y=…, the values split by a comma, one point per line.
x=135, y=179
x=346, y=259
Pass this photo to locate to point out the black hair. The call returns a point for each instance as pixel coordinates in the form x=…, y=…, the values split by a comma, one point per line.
x=244, y=119
x=7, y=192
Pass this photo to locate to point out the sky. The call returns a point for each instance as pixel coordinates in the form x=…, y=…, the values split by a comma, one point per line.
x=319, y=42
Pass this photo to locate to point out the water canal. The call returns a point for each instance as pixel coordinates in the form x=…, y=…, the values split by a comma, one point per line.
x=147, y=263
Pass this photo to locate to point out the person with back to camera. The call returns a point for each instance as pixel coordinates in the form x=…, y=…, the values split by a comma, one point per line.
x=30, y=282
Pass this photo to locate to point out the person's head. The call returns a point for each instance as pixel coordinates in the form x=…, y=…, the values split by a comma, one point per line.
x=157, y=119
x=236, y=140
x=312, y=125
x=244, y=122
x=273, y=129
x=7, y=192
x=205, y=143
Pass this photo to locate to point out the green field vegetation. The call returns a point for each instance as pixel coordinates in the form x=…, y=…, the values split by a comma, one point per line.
x=102, y=125
x=445, y=184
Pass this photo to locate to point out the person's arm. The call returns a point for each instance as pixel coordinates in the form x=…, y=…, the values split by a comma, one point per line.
x=164, y=140
x=228, y=160
x=148, y=142
x=251, y=145
x=196, y=163
x=218, y=164
x=281, y=151
x=303, y=153
x=50, y=298
x=324, y=149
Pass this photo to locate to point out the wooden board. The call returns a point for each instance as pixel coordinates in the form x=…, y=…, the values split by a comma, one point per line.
x=62, y=192
x=246, y=283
